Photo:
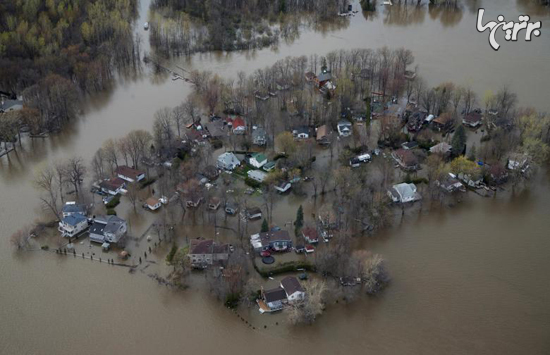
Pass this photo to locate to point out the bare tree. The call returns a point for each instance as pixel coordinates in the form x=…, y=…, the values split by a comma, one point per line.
x=75, y=172
x=45, y=181
x=307, y=310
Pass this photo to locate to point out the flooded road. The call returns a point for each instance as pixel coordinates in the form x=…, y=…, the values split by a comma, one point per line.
x=472, y=279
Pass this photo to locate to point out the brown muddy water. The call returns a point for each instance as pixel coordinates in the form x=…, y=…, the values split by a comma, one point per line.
x=466, y=280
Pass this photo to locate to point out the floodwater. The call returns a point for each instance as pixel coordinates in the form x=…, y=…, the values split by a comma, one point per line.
x=467, y=280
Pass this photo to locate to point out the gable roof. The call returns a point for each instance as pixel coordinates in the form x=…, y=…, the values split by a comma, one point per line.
x=472, y=118
x=291, y=285
x=275, y=294
x=74, y=208
x=74, y=219
x=259, y=157
x=128, y=172
x=238, y=122
x=207, y=247
x=407, y=157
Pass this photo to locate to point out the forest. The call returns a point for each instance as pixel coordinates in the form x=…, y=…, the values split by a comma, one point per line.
x=52, y=52
x=185, y=27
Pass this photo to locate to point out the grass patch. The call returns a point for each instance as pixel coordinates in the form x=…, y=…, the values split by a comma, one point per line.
x=111, y=212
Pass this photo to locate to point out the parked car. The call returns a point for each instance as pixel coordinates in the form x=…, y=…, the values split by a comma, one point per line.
x=299, y=249
x=265, y=253
x=309, y=248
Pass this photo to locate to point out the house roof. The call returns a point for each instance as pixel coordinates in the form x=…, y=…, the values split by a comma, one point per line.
x=404, y=191
x=151, y=201
x=74, y=208
x=106, y=224
x=216, y=128
x=199, y=246
x=128, y=172
x=259, y=157
x=473, y=118
x=112, y=184
x=275, y=294
x=228, y=158
x=441, y=148
x=322, y=132
x=258, y=133
x=11, y=105
x=310, y=233
x=257, y=174
x=74, y=219
x=291, y=285
x=407, y=157
x=263, y=239
x=238, y=122
x=324, y=76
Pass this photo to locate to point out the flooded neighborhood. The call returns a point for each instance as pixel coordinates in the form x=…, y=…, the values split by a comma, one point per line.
x=325, y=176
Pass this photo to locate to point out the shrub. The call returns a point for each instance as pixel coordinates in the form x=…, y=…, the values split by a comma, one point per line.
x=232, y=300
x=111, y=212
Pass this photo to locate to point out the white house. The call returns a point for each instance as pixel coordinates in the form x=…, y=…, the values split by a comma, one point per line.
x=71, y=208
x=112, y=186
x=283, y=186
x=257, y=175
x=72, y=225
x=153, y=203
x=129, y=174
x=228, y=161
x=293, y=289
x=108, y=229
x=257, y=160
x=403, y=193
x=344, y=128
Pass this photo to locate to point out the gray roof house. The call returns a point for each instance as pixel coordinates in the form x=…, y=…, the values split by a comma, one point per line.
x=259, y=136
x=108, y=229
x=273, y=299
x=279, y=241
x=403, y=193
x=293, y=289
x=344, y=128
x=72, y=208
x=10, y=105
x=228, y=161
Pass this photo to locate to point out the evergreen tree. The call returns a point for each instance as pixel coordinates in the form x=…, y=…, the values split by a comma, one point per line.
x=459, y=141
x=265, y=226
x=299, y=220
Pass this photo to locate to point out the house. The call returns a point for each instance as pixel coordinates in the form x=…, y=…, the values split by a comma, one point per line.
x=406, y=159
x=231, y=208
x=403, y=193
x=414, y=124
x=323, y=137
x=239, y=126
x=344, y=128
x=71, y=208
x=472, y=119
x=214, y=203
x=72, y=225
x=301, y=132
x=443, y=122
x=274, y=240
x=259, y=136
x=257, y=175
x=228, y=161
x=283, y=186
x=409, y=145
x=196, y=135
x=324, y=77
x=310, y=77
x=216, y=129
x=204, y=253
x=497, y=174
x=473, y=180
x=257, y=160
x=113, y=186
x=253, y=213
x=443, y=149
x=108, y=229
x=211, y=173
x=153, y=203
x=270, y=165
x=450, y=184
x=310, y=235
x=327, y=218
x=293, y=289
x=518, y=161
x=272, y=300
x=7, y=105
x=129, y=174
